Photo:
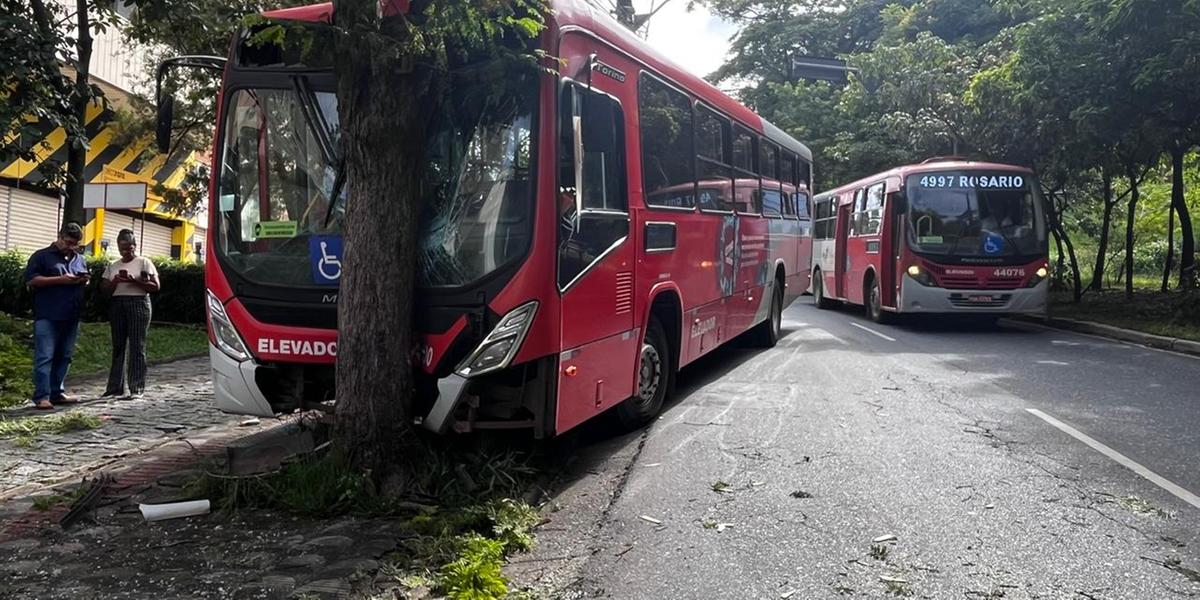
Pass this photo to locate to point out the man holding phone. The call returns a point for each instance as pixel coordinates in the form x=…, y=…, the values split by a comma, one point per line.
x=58, y=276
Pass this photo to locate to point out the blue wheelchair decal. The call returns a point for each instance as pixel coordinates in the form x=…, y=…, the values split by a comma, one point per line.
x=993, y=244
x=326, y=254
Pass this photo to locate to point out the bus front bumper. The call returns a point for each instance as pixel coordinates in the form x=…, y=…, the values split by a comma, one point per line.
x=917, y=298
x=236, y=391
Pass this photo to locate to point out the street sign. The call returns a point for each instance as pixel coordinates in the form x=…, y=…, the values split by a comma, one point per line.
x=820, y=69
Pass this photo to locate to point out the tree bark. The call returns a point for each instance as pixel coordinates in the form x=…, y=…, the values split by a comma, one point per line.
x=1134, y=196
x=1187, y=243
x=384, y=116
x=1169, y=261
x=80, y=97
x=1106, y=225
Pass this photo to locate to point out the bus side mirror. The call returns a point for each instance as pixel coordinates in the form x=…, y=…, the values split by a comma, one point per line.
x=162, y=130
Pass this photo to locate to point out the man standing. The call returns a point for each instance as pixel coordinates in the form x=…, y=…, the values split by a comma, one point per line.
x=58, y=276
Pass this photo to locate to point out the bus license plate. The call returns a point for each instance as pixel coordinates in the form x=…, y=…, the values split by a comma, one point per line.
x=983, y=299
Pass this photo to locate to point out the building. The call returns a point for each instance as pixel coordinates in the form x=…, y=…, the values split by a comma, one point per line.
x=30, y=212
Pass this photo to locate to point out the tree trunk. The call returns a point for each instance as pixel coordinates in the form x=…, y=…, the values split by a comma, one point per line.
x=1101, y=252
x=1187, y=243
x=1169, y=262
x=80, y=97
x=1134, y=195
x=1064, y=239
x=384, y=116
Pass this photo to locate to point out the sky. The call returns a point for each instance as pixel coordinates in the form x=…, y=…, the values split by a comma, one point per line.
x=695, y=40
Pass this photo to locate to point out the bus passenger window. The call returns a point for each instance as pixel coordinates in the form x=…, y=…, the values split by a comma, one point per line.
x=712, y=158
x=665, y=119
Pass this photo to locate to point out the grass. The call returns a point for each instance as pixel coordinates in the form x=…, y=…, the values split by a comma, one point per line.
x=25, y=430
x=92, y=352
x=1171, y=314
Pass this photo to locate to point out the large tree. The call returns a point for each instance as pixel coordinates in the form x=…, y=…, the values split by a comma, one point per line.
x=398, y=75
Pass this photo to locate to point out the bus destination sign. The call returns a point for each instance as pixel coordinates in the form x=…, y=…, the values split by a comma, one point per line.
x=984, y=182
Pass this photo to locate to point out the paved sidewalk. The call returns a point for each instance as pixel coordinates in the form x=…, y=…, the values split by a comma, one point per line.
x=177, y=406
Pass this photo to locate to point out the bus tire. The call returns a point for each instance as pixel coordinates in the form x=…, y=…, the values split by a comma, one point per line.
x=874, y=304
x=655, y=377
x=819, y=298
x=766, y=334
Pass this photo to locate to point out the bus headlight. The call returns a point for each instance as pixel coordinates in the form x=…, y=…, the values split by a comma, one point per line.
x=1041, y=273
x=225, y=336
x=498, y=348
x=921, y=276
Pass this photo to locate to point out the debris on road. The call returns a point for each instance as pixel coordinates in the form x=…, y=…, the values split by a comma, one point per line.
x=800, y=494
x=249, y=422
x=650, y=520
x=884, y=538
x=174, y=510
x=787, y=594
x=721, y=487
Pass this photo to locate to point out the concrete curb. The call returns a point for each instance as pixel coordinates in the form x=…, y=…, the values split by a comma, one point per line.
x=1125, y=335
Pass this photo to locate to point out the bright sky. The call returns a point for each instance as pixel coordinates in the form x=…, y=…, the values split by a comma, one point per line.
x=695, y=40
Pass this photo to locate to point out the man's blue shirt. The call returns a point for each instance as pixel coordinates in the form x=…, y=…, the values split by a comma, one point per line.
x=56, y=302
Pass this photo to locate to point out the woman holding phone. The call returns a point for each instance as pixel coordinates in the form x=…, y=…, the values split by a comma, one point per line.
x=130, y=279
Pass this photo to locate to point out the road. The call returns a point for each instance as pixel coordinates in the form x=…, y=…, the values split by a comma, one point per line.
x=934, y=459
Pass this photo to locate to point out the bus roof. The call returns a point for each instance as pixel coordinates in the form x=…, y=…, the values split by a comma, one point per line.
x=927, y=166
x=582, y=15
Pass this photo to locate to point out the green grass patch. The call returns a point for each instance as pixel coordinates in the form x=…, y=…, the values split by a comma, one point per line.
x=28, y=428
x=1171, y=314
x=93, y=352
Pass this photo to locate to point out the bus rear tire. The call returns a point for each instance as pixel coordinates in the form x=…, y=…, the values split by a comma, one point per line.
x=766, y=334
x=874, y=303
x=819, y=298
x=655, y=377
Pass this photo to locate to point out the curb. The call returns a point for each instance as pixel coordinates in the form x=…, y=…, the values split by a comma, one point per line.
x=1149, y=340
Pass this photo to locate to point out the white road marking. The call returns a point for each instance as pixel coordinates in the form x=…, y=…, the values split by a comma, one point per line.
x=1119, y=458
x=1057, y=363
x=873, y=332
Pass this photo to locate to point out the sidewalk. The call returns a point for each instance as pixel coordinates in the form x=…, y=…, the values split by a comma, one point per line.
x=153, y=447
x=1117, y=333
x=177, y=408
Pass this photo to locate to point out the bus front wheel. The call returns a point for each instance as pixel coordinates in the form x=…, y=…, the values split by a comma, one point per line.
x=654, y=380
x=875, y=310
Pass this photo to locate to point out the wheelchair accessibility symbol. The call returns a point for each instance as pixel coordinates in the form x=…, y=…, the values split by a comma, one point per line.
x=993, y=244
x=326, y=254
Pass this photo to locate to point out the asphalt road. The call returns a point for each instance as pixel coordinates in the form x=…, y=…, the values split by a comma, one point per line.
x=868, y=461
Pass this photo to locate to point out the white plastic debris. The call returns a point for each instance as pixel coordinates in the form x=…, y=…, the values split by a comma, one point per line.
x=650, y=520
x=174, y=510
x=249, y=422
x=884, y=538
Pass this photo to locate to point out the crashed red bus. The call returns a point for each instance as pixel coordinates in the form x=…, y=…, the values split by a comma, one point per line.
x=612, y=224
x=943, y=236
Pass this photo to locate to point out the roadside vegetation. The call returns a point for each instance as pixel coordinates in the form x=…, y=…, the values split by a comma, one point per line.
x=24, y=431
x=461, y=513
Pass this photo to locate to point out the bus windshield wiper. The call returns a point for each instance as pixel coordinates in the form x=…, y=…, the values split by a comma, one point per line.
x=314, y=118
x=335, y=192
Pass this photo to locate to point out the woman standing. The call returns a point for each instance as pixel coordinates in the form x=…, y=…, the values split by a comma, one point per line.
x=130, y=279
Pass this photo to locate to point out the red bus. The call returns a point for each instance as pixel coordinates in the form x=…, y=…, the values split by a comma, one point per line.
x=943, y=236
x=612, y=224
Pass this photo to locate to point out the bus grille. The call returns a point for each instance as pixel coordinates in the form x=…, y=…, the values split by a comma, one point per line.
x=624, y=292
x=970, y=282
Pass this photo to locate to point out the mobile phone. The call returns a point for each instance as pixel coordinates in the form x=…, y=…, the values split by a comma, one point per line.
x=124, y=273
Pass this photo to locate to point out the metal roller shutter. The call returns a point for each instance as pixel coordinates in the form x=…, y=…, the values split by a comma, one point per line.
x=32, y=220
x=154, y=241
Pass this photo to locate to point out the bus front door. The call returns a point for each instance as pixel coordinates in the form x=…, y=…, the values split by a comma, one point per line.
x=841, y=256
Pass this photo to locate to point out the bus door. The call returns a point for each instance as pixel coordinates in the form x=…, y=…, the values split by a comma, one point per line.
x=595, y=257
x=841, y=255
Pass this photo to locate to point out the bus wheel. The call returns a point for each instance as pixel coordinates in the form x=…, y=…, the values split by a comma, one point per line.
x=766, y=334
x=654, y=379
x=875, y=310
x=819, y=298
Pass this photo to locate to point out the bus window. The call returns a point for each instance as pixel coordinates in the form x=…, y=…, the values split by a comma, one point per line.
x=744, y=151
x=712, y=158
x=667, y=157
x=801, y=200
x=772, y=201
x=594, y=123
x=825, y=219
x=873, y=209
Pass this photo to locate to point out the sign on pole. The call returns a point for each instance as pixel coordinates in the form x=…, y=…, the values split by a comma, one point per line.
x=114, y=195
